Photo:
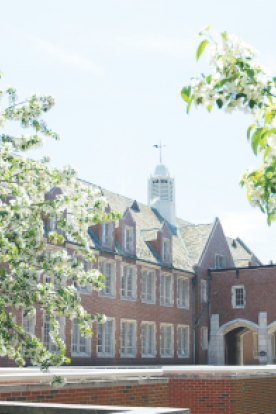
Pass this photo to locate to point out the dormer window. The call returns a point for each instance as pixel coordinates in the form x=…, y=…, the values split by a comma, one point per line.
x=220, y=262
x=107, y=234
x=129, y=239
x=166, y=250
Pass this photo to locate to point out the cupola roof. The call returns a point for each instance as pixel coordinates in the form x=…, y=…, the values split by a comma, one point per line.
x=161, y=170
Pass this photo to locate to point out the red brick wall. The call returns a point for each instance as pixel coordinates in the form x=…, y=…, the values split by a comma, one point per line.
x=155, y=395
x=260, y=290
x=216, y=245
x=201, y=395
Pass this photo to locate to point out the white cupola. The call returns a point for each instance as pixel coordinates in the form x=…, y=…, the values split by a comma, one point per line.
x=161, y=194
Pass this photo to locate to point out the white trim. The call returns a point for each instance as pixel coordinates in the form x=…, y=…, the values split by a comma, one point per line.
x=131, y=231
x=171, y=298
x=153, y=300
x=172, y=340
x=134, y=338
x=187, y=340
x=113, y=340
x=153, y=355
x=187, y=293
x=88, y=345
x=134, y=281
x=233, y=299
x=113, y=263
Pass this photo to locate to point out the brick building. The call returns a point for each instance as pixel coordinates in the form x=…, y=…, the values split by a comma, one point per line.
x=175, y=292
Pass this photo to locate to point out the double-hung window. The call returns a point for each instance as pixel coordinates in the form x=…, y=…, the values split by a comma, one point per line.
x=107, y=234
x=220, y=262
x=128, y=338
x=166, y=250
x=107, y=268
x=148, y=286
x=238, y=297
x=182, y=292
x=166, y=289
x=47, y=340
x=148, y=339
x=129, y=239
x=28, y=324
x=203, y=286
x=80, y=344
x=106, y=338
x=54, y=224
x=128, y=289
x=166, y=341
x=87, y=287
x=204, y=338
x=183, y=341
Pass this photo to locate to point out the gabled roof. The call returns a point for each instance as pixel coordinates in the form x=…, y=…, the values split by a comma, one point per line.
x=188, y=240
x=195, y=238
x=240, y=252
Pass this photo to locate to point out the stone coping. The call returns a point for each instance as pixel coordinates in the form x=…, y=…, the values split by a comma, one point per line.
x=122, y=382
x=41, y=408
x=103, y=375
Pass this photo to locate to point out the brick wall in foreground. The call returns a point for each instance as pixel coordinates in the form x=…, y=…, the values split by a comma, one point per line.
x=202, y=395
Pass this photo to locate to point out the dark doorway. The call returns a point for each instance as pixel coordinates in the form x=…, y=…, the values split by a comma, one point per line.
x=231, y=347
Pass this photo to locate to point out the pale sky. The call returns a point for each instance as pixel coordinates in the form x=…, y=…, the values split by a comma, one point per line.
x=115, y=68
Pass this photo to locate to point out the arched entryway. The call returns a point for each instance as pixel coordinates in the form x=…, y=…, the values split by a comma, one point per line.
x=240, y=342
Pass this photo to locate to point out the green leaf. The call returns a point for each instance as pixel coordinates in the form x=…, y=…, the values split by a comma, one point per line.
x=219, y=103
x=253, y=126
x=255, y=140
x=250, y=72
x=241, y=95
x=209, y=108
x=201, y=48
x=3, y=271
x=185, y=93
x=224, y=35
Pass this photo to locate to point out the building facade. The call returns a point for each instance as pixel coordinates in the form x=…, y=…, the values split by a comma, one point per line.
x=175, y=293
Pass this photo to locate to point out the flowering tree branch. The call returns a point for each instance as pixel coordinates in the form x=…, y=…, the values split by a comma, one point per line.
x=236, y=82
x=25, y=261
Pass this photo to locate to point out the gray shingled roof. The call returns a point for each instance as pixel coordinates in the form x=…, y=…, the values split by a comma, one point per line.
x=195, y=238
x=188, y=240
x=240, y=252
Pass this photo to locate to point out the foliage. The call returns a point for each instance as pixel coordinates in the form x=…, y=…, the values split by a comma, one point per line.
x=24, y=257
x=237, y=82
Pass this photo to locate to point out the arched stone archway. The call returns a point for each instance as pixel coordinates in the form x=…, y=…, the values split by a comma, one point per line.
x=239, y=326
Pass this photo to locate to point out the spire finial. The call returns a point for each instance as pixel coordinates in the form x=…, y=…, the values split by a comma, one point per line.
x=160, y=147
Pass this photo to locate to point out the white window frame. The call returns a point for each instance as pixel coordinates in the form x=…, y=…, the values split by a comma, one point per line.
x=129, y=244
x=223, y=260
x=32, y=323
x=112, y=278
x=180, y=299
x=107, y=241
x=126, y=267
x=61, y=332
x=153, y=286
x=234, y=289
x=187, y=341
x=171, y=326
x=163, y=298
x=204, y=338
x=87, y=345
x=134, y=338
x=87, y=266
x=165, y=258
x=104, y=354
x=153, y=353
x=203, y=291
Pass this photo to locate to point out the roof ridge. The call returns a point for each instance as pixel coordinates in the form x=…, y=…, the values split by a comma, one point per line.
x=195, y=225
x=247, y=249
